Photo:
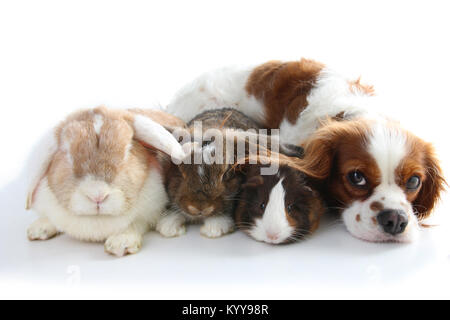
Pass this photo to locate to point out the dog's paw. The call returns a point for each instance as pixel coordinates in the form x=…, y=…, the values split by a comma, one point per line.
x=171, y=226
x=123, y=244
x=216, y=227
x=41, y=229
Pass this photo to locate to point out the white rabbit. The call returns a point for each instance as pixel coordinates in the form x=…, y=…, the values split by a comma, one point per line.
x=98, y=180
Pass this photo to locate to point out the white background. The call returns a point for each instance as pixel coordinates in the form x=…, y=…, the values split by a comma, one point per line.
x=58, y=56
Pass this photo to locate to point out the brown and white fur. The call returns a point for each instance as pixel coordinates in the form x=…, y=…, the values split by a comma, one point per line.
x=96, y=181
x=318, y=108
x=279, y=208
x=204, y=192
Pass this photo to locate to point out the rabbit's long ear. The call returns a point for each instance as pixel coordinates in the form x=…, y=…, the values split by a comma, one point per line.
x=39, y=162
x=155, y=135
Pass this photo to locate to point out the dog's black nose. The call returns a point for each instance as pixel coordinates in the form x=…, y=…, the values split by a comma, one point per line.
x=393, y=221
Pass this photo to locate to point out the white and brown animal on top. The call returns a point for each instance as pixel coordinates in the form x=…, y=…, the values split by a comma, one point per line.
x=96, y=181
x=383, y=178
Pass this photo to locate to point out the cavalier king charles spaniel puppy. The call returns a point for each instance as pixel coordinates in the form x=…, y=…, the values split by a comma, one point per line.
x=383, y=179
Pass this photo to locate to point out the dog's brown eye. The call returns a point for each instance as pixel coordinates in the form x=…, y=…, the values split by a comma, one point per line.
x=413, y=183
x=357, y=179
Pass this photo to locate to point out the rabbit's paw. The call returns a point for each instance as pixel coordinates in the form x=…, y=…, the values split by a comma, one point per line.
x=123, y=244
x=171, y=225
x=41, y=229
x=216, y=227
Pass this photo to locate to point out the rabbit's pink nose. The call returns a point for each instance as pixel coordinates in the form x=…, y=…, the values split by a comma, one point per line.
x=272, y=236
x=99, y=198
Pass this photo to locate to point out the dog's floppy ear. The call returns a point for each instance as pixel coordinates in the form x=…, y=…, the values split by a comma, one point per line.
x=318, y=153
x=39, y=162
x=320, y=149
x=432, y=186
x=155, y=135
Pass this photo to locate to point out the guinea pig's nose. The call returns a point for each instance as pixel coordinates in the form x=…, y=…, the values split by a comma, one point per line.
x=393, y=221
x=272, y=236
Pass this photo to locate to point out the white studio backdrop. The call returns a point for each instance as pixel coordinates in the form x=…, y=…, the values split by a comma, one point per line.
x=58, y=56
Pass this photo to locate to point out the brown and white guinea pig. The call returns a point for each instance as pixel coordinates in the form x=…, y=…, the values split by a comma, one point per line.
x=96, y=181
x=204, y=192
x=279, y=208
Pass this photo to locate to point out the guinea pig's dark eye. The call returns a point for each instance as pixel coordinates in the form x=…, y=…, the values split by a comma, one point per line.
x=290, y=208
x=262, y=206
x=357, y=179
x=413, y=183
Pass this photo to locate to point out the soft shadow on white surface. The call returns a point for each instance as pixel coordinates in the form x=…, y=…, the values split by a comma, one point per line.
x=329, y=264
